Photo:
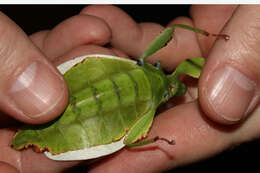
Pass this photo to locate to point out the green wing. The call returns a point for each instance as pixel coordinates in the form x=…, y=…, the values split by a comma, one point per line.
x=107, y=97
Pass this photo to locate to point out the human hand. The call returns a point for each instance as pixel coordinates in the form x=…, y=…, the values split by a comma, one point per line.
x=198, y=135
x=49, y=48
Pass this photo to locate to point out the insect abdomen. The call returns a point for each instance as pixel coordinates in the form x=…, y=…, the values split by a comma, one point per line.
x=122, y=89
x=97, y=114
x=106, y=109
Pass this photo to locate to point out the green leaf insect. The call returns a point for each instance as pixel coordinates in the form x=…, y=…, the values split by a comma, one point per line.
x=112, y=103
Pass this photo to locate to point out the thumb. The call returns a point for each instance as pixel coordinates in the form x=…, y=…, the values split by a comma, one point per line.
x=229, y=85
x=31, y=89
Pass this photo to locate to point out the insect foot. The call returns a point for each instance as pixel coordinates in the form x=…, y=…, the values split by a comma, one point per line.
x=170, y=142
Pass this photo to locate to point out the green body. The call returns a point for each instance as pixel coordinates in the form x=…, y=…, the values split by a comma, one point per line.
x=110, y=98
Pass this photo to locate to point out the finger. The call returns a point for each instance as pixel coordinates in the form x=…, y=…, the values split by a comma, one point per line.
x=196, y=138
x=229, y=85
x=211, y=18
x=133, y=38
x=31, y=89
x=73, y=32
x=118, y=52
x=113, y=16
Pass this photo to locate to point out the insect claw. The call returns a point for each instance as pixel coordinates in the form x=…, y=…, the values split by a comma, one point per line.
x=170, y=142
x=206, y=33
x=222, y=36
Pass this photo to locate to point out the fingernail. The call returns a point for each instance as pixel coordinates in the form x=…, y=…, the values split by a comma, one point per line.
x=37, y=90
x=230, y=93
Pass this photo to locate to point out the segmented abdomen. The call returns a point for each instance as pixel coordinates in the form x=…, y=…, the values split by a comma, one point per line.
x=107, y=108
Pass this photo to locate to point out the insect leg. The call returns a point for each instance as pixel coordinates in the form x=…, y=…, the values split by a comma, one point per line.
x=161, y=40
x=200, y=31
x=140, y=130
x=148, y=141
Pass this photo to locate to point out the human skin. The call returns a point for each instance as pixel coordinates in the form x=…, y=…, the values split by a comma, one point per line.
x=199, y=133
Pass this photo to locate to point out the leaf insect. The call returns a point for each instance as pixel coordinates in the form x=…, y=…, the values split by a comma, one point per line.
x=112, y=103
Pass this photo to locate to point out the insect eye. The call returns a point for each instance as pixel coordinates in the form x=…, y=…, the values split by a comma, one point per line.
x=140, y=62
x=166, y=95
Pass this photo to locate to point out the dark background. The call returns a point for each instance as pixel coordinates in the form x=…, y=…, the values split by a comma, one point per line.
x=33, y=18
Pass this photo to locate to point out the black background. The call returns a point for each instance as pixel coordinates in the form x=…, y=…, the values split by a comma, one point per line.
x=33, y=18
